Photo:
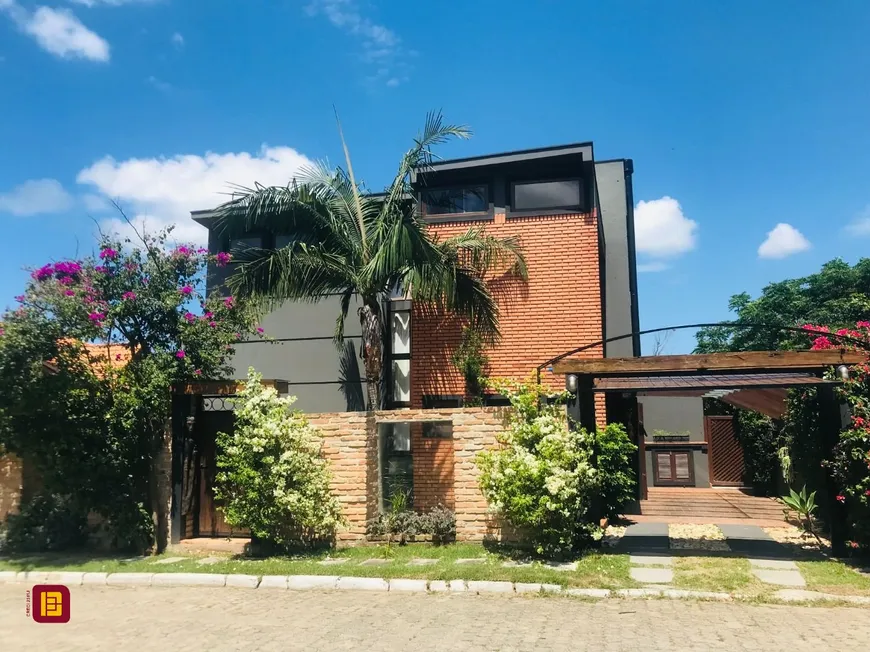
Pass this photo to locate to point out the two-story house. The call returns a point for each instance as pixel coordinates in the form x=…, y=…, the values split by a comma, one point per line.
x=573, y=216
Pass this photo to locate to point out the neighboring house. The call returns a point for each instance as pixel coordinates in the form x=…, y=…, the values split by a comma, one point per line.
x=574, y=218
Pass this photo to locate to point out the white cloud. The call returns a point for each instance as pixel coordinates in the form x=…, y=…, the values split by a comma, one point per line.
x=159, y=84
x=35, y=197
x=860, y=226
x=784, y=240
x=656, y=266
x=163, y=191
x=58, y=31
x=380, y=45
x=178, y=40
x=661, y=230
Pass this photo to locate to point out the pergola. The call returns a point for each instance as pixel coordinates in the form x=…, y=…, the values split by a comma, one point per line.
x=755, y=380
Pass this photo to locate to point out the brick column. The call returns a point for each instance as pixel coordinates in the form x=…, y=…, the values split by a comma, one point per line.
x=473, y=431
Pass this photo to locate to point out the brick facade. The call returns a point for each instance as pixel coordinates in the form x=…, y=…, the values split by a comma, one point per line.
x=444, y=469
x=559, y=309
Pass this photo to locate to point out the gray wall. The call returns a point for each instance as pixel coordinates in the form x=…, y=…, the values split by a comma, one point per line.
x=322, y=377
x=676, y=415
x=614, y=196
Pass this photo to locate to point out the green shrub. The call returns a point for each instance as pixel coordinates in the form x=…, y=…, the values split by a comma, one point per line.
x=760, y=438
x=541, y=478
x=46, y=523
x=615, y=463
x=272, y=478
x=440, y=522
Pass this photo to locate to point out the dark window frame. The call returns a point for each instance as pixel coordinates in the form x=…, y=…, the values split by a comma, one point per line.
x=429, y=399
x=673, y=481
x=550, y=210
x=456, y=217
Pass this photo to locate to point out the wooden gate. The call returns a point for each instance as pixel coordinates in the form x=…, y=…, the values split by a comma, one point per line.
x=725, y=452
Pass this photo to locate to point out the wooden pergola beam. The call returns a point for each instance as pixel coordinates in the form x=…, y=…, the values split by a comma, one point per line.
x=769, y=402
x=757, y=361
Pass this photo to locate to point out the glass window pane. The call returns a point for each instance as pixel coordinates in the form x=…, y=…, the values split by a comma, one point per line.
x=402, y=380
x=438, y=429
x=401, y=326
x=240, y=244
x=401, y=437
x=448, y=201
x=547, y=194
x=281, y=241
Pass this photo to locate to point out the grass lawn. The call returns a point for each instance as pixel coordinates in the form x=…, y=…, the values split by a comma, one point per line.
x=594, y=570
x=834, y=577
x=728, y=574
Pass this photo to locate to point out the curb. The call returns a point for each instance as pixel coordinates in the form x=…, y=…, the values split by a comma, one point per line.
x=333, y=582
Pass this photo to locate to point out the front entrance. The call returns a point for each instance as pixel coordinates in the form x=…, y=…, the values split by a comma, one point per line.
x=726, y=453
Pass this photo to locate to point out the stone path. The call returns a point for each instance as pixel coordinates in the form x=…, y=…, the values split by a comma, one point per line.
x=188, y=619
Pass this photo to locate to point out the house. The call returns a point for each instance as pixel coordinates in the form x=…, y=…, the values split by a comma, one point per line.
x=574, y=218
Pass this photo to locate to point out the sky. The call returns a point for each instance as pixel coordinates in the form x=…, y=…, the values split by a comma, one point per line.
x=747, y=122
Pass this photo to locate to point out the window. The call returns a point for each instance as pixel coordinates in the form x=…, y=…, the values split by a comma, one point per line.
x=237, y=245
x=496, y=400
x=547, y=195
x=397, y=464
x=282, y=241
x=452, y=201
x=437, y=429
x=432, y=402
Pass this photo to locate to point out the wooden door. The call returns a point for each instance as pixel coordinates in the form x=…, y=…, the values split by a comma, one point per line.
x=673, y=468
x=726, y=454
x=211, y=521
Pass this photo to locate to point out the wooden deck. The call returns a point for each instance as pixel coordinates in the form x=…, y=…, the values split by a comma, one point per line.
x=695, y=505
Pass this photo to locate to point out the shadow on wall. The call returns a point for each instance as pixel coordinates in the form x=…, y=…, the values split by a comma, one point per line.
x=350, y=379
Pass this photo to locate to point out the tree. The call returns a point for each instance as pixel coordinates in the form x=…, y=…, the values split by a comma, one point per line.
x=837, y=296
x=87, y=362
x=344, y=241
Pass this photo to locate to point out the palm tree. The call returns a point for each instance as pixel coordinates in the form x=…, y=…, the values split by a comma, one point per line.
x=347, y=242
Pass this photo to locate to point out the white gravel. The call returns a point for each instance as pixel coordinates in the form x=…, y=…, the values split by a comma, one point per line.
x=697, y=537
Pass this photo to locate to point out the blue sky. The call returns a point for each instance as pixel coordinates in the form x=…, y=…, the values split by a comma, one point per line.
x=747, y=121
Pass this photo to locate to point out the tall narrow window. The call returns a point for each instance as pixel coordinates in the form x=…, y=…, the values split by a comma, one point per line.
x=399, y=343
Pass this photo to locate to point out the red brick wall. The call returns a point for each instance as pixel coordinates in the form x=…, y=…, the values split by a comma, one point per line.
x=557, y=310
x=433, y=470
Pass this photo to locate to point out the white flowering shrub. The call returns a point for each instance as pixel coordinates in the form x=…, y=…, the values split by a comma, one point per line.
x=541, y=480
x=272, y=478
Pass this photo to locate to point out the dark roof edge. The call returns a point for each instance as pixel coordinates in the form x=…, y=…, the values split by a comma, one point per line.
x=584, y=148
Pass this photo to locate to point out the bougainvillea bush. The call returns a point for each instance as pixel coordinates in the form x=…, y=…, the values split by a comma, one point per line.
x=87, y=360
x=542, y=479
x=850, y=464
x=272, y=478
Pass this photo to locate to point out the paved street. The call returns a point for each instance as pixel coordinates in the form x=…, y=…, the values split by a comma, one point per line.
x=178, y=619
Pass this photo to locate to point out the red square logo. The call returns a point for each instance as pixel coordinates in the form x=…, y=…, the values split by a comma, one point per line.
x=50, y=603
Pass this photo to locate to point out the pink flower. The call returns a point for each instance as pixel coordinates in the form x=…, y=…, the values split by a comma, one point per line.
x=260, y=330
x=863, y=324
x=2, y=332
x=131, y=267
x=213, y=324
x=190, y=317
x=222, y=259
x=859, y=421
x=184, y=251
x=228, y=302
x=186, y=290
x=128, y=296
x=867, y=493
x=118, y=357
x=821, y=343
x=198, y=372
x=208, y=315
x=44, y=272
x=66, y=280
x=70, y=268
x=202, y=250
x=180, y=355
x=20, y=298
x=96, y=316
x=841, y=498
x=70, y=293
x=100, y=269
x=238, y=336
x=108, y=254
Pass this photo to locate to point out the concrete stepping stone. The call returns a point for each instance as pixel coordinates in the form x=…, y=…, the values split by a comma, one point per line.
x=644, y=537
x=168, y=560
x=376, y=562
x=774, y=564
x=752, y=541
x=422, y=562
x=512, y=563
x=651, y=560
x=780, y=577
x=208, y=561
x=333, y=562
x=471, y=560
x=652, y=575
x=562, y=566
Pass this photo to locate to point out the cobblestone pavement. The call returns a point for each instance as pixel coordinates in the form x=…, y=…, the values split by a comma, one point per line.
x=180, y=619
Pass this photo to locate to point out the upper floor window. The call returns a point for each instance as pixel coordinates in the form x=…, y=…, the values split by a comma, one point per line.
x=458, y=200
x=236, y=245
x=547, y=195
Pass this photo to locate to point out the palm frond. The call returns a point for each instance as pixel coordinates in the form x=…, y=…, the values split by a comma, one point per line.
x=487, y=253
x=338, y=336
x=355, y=188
